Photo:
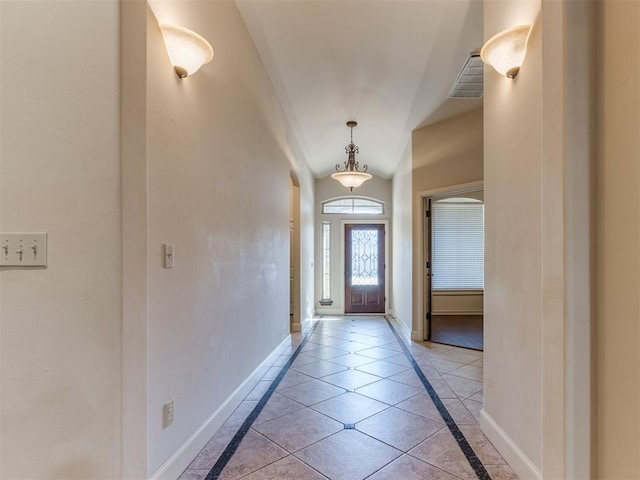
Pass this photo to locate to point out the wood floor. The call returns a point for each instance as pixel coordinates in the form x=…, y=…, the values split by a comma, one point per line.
x=458, y=330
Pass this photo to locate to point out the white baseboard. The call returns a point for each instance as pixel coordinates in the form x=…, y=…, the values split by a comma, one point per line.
x=184, y=455
x=405, y=330
x=457, y=312
x=307, y=324
x=416, y=336
x=516, y=458
x=329, y=311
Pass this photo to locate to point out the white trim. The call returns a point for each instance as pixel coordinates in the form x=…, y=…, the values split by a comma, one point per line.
x=457, y=293
x=307, y=323
x=402, y=326
x=516, y=458
x=329, y=311
x=352, y=197
x=184, y=455
x=459, y=188
x=295, y=258
x=347, y=197
x=387, y=241
x=456, y=312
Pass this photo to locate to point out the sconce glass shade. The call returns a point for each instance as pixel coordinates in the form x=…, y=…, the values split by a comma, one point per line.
x=351, y=179
x=188, y=51
x=505, y=51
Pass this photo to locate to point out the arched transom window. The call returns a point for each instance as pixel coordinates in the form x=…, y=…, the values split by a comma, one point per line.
x=353, y=206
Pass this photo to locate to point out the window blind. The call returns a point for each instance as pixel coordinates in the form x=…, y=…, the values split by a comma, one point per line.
x=457, y=245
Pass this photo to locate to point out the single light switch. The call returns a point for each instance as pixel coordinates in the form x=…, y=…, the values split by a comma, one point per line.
x=23, y=249
x=168, y=255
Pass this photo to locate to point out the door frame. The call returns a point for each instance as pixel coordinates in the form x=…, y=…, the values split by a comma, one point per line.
x=421, y=324
x=427, y=246
x=295, y=320
x=387, y=241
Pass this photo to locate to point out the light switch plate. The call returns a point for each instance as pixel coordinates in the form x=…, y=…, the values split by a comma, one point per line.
x=167, y=252
x=167, y=414
x=23, y=249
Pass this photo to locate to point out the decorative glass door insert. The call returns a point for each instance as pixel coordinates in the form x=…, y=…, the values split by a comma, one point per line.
x=364, y=257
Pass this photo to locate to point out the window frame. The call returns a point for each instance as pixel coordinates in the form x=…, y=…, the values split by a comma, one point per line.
x=326, y=264
x=353, y=199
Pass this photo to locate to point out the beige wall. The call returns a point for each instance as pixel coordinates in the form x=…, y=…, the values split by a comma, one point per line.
x=538, y=242
x=402, y=261
x=219, y=177
x=325, y=189
x=134, y=17
x=513, y=243
x=448, y=153
x=618, y=262
x=93, y=345
x=60, y=163
x=444, y=155
x=457, y=303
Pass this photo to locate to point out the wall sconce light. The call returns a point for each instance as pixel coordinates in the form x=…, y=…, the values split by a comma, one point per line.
x=505, y=51
x=351, y=176
x=188, y=51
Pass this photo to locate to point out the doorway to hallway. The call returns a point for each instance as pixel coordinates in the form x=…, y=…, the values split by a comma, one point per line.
x=295, y=307
x=364, y=268
x=454, y=251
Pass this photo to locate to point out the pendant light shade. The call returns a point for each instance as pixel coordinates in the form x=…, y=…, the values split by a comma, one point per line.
x=187, y=50
x=505, y=51
x=351, y=176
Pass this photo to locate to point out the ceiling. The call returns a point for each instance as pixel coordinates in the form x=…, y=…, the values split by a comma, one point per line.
x=388, y=64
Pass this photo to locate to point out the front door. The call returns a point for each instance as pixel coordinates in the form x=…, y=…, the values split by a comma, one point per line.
x=364, y=268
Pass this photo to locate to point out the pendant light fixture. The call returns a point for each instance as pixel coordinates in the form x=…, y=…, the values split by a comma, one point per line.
x=351, y=176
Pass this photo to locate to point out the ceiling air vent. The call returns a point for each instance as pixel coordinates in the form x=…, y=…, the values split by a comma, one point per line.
x=469, y=83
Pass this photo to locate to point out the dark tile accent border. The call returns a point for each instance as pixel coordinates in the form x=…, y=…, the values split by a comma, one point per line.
x=224, y=458
x=233, y=445
x=473, y=459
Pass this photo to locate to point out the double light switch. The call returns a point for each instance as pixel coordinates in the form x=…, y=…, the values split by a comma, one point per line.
x=23, y=249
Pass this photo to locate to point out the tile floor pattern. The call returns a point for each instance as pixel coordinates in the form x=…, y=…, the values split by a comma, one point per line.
x=351, y=407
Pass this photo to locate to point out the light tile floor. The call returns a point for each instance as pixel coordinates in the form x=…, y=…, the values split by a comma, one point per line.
x=352, y=407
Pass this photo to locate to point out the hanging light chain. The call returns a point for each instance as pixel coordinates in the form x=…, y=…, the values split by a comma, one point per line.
x=351, y=165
